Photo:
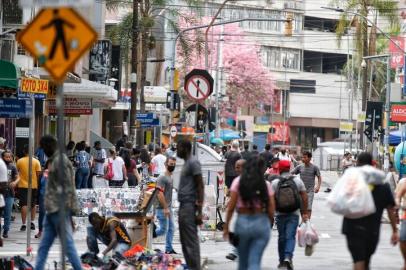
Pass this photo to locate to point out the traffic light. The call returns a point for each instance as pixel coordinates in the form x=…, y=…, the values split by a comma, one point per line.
x=289, y=25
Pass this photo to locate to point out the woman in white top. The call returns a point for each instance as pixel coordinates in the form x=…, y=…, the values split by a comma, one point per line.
x=119, y=170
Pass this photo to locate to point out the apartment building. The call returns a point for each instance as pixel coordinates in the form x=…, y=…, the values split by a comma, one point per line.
x=312, y=94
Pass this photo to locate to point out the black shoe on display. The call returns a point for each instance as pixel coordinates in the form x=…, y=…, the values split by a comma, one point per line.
x=154, y=235
x=23, y=228
x=231, y=256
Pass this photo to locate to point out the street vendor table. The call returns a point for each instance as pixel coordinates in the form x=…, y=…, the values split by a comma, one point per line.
x=141, y=218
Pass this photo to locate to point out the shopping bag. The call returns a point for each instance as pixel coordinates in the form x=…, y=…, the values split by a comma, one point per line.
x=351, y=196
x=307, y=235
x=311, y=236
x=109, y=173
x=301, y=231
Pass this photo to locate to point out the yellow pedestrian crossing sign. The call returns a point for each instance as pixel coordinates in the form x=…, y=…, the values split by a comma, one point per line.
x=57, y=38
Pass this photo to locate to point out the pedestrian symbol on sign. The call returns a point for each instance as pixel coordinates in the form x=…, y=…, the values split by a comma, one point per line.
x=58, y=23
x=57, y=38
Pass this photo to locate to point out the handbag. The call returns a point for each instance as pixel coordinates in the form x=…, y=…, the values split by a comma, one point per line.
x=109, y=173
x=2, y=201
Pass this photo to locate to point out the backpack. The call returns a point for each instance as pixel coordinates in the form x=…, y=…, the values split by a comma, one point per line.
x=287, y=195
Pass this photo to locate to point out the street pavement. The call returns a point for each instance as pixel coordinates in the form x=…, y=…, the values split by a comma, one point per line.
x=330, y=253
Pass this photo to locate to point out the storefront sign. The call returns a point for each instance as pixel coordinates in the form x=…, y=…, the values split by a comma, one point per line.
x=15, y=108
x=398, y=113
x=72, y=106
x=34, y=86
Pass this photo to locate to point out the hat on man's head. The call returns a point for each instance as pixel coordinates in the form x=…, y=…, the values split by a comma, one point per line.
x=2, y=140
x=284, y=165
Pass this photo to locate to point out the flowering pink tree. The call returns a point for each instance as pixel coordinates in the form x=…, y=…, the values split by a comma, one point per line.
x=248, y=82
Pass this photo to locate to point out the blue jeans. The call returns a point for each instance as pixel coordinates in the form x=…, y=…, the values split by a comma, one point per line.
x=51, y=231
x=93, y=236
x=81, y=177
x=8, y=209
x=164, y=228
x=287, y=227
x=41, y=214
x=254, y=232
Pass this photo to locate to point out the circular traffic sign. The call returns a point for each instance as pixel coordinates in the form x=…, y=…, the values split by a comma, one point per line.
x=173, y=131
x=198, y=87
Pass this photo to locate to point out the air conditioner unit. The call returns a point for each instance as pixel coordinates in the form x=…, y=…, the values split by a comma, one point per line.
x=7, y=49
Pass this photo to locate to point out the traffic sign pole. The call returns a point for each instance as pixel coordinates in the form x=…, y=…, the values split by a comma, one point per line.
x=61, y=170
x=30, y=172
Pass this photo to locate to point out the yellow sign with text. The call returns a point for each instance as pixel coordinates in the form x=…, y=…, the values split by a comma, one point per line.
x=34, y=86
x=346, y=126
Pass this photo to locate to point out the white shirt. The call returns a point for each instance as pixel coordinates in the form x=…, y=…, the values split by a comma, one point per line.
x=159, y=164
x=118, y=164
x=285, y=156
x=3, y=171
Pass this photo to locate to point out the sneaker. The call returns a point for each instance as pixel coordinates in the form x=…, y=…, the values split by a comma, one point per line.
x=231, y=256
x=23, y=228
x=282, y=266
x=171, y=252
x=38, y=235
x=5, y=235
x=289, y=264
x=309, y=250
x=32, y=226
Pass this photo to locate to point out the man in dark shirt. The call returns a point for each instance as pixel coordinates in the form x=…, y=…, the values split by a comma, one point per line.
x=190, y=196
x=254, y=150
x=232, y=156
x=245, y=154
x=267, y=155
x=363, y=233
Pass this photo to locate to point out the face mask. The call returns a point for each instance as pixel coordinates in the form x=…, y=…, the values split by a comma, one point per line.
x=171, y=168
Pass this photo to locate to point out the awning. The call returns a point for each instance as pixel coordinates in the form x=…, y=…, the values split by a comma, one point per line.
x=100, y=93
x=9, y=75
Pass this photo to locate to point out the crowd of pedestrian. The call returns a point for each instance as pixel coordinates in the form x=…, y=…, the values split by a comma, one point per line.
x=275, y=189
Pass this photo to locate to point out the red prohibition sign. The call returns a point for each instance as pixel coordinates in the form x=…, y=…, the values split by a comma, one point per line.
x=198, y=88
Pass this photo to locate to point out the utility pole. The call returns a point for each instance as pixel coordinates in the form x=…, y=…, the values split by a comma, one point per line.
x=134, y=61
x=218, y=78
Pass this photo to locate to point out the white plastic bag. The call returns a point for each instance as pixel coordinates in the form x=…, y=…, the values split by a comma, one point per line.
x=301, y=231
x=311, y=235
x=307, y=235
x=351, y=196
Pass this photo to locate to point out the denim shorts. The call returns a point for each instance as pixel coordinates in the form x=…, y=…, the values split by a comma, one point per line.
x=402, y=234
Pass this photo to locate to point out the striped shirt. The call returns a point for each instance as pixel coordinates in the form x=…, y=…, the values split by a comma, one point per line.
x=307, y=174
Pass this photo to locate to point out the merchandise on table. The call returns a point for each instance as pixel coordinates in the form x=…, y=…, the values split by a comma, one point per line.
x=108, y=200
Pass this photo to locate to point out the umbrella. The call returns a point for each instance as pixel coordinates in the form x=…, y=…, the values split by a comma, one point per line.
x=217, y=141
x=226, y=134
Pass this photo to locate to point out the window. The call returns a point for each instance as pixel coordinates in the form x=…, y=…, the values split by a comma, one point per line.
x=281, y=58
x=239, y=12
x=303, y=86
x=12, y=13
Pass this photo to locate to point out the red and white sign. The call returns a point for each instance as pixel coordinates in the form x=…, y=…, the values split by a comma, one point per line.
x=198, y=88
x=398, y=113
x=73, y=106
x=397, y=57
x=280, y=133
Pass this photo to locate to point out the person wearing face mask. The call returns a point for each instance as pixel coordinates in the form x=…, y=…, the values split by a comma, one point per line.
x=164, y=210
